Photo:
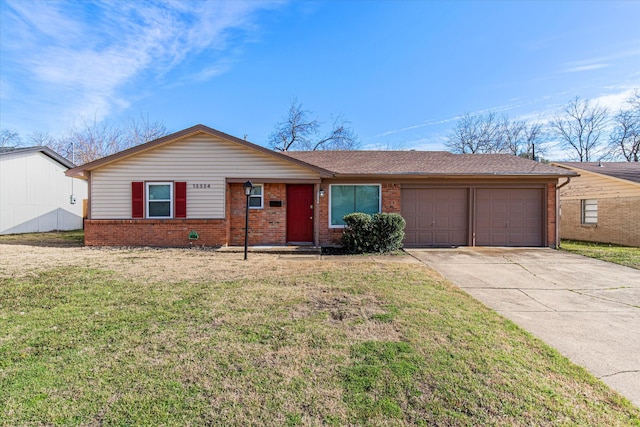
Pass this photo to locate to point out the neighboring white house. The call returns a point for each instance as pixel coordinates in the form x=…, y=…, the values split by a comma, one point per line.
x=35, y=193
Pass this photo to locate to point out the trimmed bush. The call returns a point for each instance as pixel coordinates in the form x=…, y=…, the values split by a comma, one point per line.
x=387, y=231
x=357, y=232
x=382, y=232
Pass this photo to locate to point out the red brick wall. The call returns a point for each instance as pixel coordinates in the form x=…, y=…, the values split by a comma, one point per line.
x=551, y=215
x=154, y=232
x=267, y=226
x=332, y=236
x=391, y=197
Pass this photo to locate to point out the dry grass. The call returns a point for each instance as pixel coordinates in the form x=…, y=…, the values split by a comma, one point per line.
x=192, y=337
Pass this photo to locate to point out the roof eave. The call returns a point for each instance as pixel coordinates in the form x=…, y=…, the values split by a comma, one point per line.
x=44, y=150
x=413, y=175
x=615, y=178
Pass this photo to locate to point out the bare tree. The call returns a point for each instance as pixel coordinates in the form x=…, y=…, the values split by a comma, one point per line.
x=489, y=133
x=625, y=136
x=579, y=127
x=143, y=130
x=9, y=138
x=92, y=140
x=41, y=138
x=392, y=146
x=476, y=133
x=522, y=138
x=298, y=131
x=60, y=146
x=341, y=137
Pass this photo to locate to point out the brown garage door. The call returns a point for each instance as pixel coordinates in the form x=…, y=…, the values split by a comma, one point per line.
x=435, y=216
x=508, y=217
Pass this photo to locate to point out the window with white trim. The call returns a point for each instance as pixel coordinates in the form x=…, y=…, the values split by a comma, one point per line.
x=159, y=199
x=256, y=198
x=346, y=199
x=589, y=211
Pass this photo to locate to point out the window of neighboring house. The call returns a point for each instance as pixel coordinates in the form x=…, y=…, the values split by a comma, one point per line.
x=159, y=199
x=589, y=211
x=346, y=199
x=256, y=198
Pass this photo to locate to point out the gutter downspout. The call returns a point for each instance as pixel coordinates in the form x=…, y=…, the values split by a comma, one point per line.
x=558, y=187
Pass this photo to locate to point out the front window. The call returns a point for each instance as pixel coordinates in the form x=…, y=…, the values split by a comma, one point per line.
x=589, y=211
x=346, y=199
x=256, y=197
x=159, y=199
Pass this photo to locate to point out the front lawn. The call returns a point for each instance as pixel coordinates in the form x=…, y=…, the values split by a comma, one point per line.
x=49, y=239
x=188, y=337
x=623, y=255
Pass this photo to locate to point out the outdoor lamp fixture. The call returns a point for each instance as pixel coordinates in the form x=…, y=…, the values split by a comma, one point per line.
x=248, y=186
x=321, y=192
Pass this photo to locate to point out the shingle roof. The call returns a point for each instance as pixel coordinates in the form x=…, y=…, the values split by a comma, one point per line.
x=424, y=163
x=622, y=170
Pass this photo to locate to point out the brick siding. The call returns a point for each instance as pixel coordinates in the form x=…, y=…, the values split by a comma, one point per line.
x=267, y=226
x=332, y=236
x=618, y=221
x=154, y=232
x=551, y=216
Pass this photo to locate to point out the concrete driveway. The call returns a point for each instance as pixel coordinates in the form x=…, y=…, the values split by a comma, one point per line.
x=589, y=310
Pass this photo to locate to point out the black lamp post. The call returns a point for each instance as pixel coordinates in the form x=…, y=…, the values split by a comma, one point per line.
x=248, y=186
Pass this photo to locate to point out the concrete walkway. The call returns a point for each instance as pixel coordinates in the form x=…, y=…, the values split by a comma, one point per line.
x=589, y=310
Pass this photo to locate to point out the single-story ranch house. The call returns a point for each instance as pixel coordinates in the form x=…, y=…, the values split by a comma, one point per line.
x=189, y=184
x=603, y=203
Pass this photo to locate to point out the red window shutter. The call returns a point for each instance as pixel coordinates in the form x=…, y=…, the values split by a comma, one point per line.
x=137, y=199
x=180, y=202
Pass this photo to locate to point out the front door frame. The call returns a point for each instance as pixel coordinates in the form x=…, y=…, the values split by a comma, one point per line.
x=312, y=212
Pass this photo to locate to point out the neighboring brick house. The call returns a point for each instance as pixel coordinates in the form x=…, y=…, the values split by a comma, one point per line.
x=158, y=193
x=602, y=204
x=35, y=194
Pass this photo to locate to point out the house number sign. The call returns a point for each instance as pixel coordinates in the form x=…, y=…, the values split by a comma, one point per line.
x=200, y=185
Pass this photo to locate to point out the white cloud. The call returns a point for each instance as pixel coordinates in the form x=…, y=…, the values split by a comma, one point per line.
x=72, y=58
x=617, y=100
x=622, y=53
x=417, y=126
x=428, y=123
x=581, y=68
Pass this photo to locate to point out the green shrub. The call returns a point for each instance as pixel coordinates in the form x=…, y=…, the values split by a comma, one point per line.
x=357, y=232
x=382, y=232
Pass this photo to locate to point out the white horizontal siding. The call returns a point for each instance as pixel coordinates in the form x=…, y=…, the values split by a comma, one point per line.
x=35, y=195
x=202, y=159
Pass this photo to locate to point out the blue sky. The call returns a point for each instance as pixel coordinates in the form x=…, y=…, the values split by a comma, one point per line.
x=401, y=72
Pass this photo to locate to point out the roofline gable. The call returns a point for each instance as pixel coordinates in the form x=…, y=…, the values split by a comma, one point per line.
x=602, y=175
x=81, y=171
x=41, y=149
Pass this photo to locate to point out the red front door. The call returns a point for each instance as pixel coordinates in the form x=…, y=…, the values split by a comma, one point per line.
x=300, y=213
